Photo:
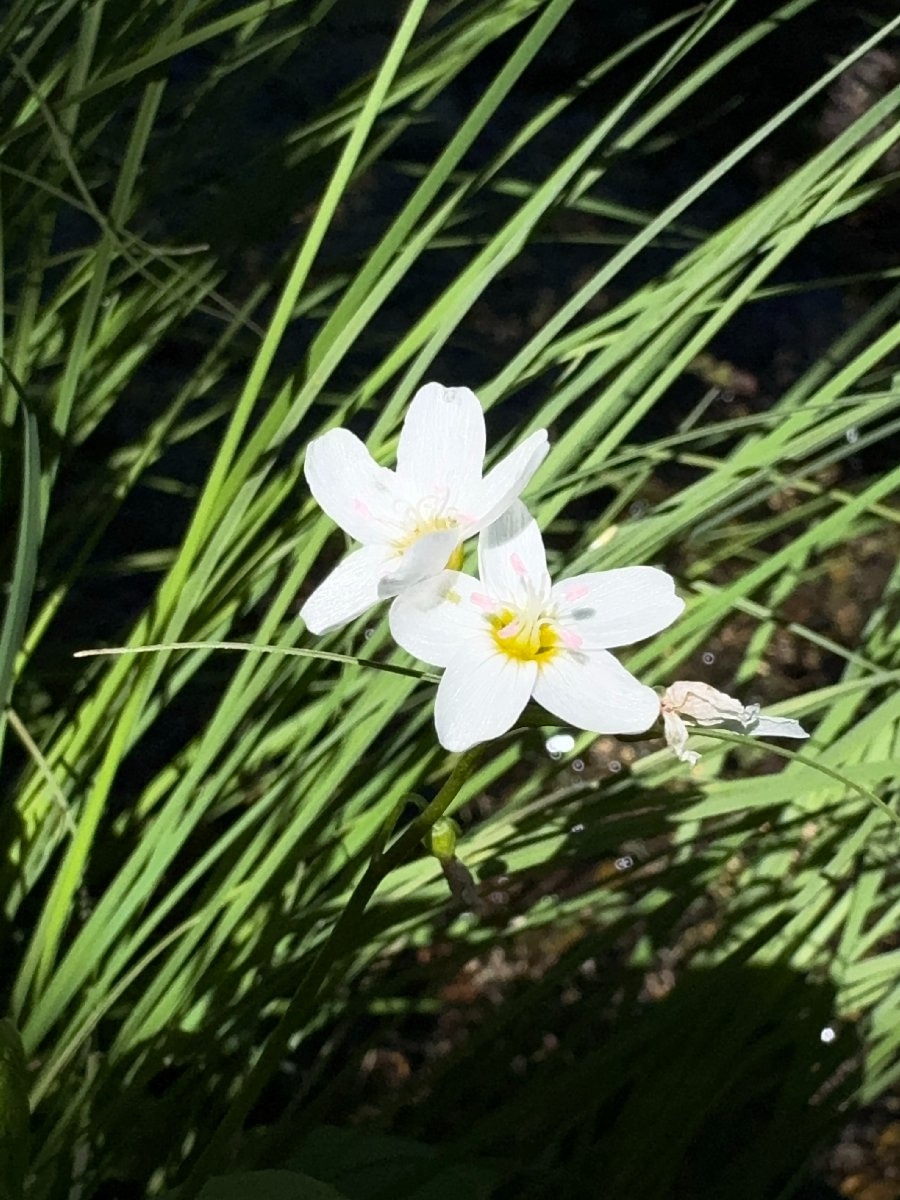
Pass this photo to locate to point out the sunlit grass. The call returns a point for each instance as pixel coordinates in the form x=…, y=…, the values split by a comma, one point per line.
x=185, y=827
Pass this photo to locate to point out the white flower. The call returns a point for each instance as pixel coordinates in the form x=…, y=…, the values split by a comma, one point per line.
x=511, y=635
x=411, y=521
x=702, y=705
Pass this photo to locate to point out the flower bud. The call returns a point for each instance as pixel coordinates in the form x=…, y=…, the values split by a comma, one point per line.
x=441, y=839
x=692, y=703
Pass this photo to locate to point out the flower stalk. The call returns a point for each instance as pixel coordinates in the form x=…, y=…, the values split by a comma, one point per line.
x=217, y=1154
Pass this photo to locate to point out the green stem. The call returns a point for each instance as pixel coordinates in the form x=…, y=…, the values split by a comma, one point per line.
x=341, y=939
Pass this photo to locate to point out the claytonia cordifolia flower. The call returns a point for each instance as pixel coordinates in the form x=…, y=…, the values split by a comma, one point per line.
x=511, y=635
x=690, y=703
x=411, y=521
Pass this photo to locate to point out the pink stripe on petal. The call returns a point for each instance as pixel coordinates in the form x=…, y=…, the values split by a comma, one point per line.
x=481, y=601
x=517, y=565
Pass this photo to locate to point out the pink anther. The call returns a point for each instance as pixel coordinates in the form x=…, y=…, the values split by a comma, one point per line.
x=481, y=601
x=361, y=508
x=510, y=630
x=570, y=639
x=517, y=565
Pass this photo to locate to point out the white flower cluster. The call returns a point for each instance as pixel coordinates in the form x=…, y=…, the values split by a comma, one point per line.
x=510, y=634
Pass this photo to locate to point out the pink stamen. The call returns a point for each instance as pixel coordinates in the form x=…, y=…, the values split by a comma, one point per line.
x=362, y=509
x=509, y=630
x=577, y=591
x=481, y=601
x=517, y=565
x=570, y=639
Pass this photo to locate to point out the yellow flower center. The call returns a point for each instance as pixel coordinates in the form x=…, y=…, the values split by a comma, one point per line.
x=524, y=639
x=424, y=525
x=429, y=524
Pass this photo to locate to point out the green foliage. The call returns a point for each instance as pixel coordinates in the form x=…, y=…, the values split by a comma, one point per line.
x=183, y=830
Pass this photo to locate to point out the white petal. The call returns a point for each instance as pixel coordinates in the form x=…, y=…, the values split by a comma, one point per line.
x=425, y=557
x=605, y=609
x=676, y=736
x=361, y=497
x=765, y=726
x=594, y=691
x=481, y=696
x=441, y=450
x=705, y=705
x=431, y=621
x=350, y=589
x=511, y=557
x=506, y=481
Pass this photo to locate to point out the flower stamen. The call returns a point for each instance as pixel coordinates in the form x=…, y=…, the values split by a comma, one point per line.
x=525, y=639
